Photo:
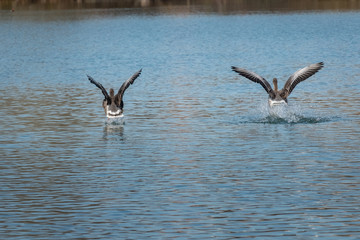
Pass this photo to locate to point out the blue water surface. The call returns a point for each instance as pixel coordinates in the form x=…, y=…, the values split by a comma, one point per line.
x=200, y=155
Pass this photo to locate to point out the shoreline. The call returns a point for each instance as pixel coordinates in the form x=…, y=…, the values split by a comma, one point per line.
x=224, y=6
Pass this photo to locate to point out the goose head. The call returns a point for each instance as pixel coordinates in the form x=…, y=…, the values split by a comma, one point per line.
x=275, y=82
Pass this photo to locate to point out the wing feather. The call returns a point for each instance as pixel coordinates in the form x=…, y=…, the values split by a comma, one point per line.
x=124, y=86
x=299, y=76
x=103, y=90
x=255, y=78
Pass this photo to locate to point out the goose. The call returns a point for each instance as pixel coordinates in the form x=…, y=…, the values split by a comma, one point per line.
x=113, y=104
x=278, y=97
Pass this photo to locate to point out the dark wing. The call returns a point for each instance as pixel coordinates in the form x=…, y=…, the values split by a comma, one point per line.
x=299, y=76
x=124, y=86
x=255, y=78
x=106, y=95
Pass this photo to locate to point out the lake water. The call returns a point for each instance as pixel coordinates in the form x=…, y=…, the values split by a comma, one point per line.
x=200, y=155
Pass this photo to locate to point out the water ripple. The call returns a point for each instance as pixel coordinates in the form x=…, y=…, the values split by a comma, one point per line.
x=200, y=154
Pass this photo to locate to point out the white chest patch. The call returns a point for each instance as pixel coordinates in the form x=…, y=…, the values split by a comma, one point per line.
x=276, y=103
x=112, y=115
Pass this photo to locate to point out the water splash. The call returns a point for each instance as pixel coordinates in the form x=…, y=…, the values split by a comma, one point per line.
x=289, y=114
x=283, y=114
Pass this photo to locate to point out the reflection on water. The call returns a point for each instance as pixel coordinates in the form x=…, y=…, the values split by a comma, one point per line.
x=115, y=121
x=201, y=155
x=181, y=6
x=114, y=128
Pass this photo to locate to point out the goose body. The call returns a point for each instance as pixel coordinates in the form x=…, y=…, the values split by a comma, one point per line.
x=279, y=97
x=113, y=103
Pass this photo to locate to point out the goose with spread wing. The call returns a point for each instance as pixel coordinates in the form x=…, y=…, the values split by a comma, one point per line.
x=280, y=96
x=113, y=104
